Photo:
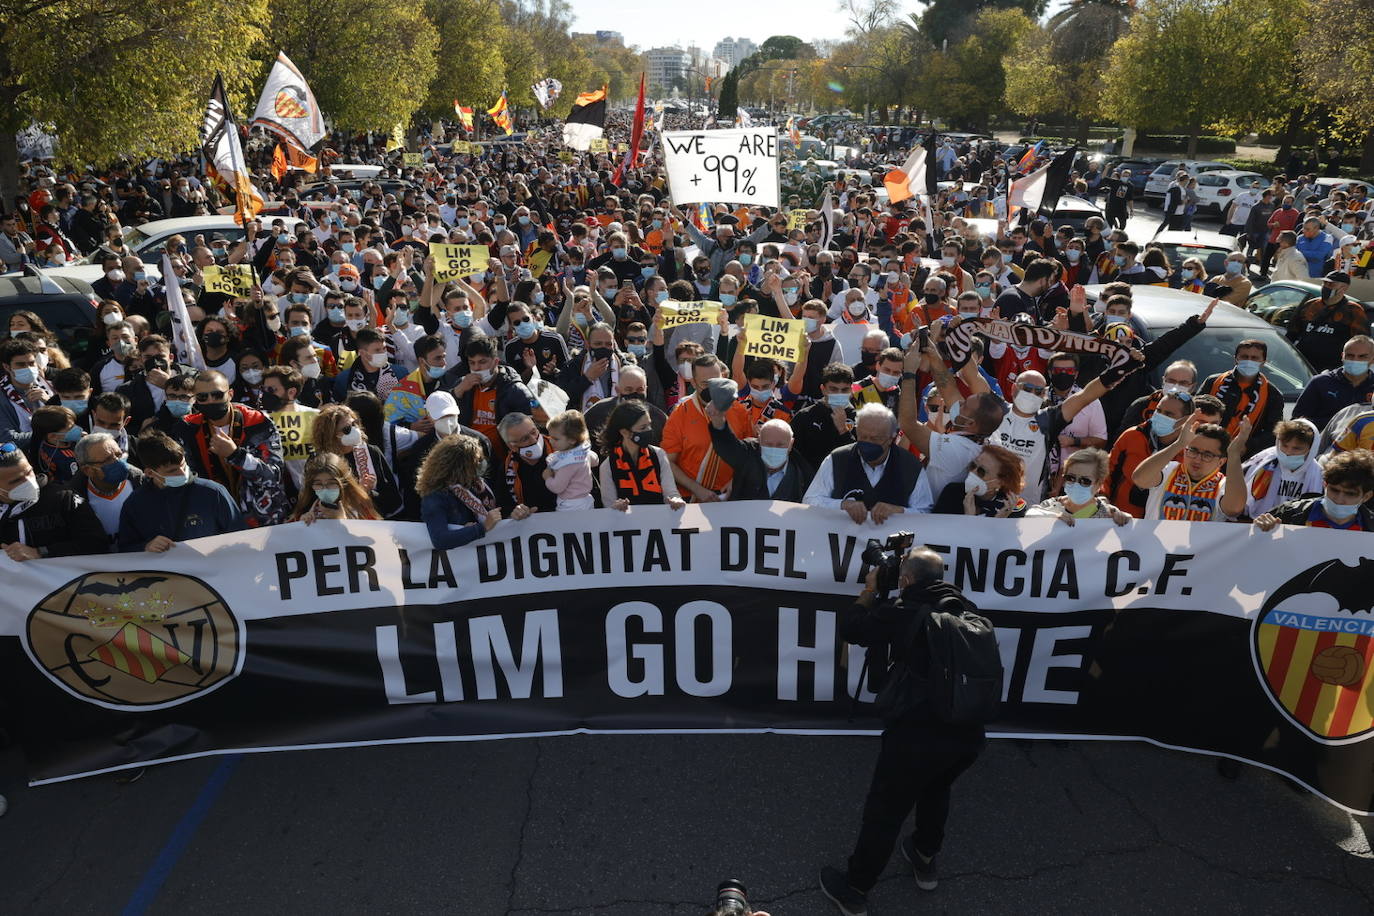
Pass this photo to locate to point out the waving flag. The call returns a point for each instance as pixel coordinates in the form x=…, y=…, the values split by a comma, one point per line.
x=464, y=114
x=547, y=92
x=587, y=120
x=287, y=107
x=183, y=331
x=1040, y=190
x=286, y=157
x=1029, y=156
x=224, y=153
x=631, y=159
x=793, y=134
x=915, y=176
x=397, y=140
x=500, y=113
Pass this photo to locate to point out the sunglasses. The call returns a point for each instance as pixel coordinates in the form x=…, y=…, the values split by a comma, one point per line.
x=1033, y=389
x=982, y=472
x=205, y=397
x=1081, y=481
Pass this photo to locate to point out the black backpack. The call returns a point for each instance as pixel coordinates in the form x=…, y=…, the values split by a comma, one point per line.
x=963, y=682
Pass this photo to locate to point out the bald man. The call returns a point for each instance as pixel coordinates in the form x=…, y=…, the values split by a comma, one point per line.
x=765, y=467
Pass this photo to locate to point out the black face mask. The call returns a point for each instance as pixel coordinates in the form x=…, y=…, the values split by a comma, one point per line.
x=866, y=358
x=930, y=298
x=214, y=339
x=644, y=438
x=271, y=402
x=213, y=410
x=1063, y=381
x=633, y=396
x=823, y=270
x=154, y=362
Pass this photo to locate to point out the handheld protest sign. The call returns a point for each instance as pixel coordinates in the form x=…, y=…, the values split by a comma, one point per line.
x=773, y=338
x=797, y=219
x=739, y=165
x=698, y=312
x=599, y=145
x=452, y=261
x=412, y=159
x=232, y=280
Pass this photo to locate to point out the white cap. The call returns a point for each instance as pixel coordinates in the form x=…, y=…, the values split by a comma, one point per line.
x=441, y=404
x=1349, y=240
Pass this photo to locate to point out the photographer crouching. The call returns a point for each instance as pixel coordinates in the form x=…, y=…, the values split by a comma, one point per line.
x=934, y=666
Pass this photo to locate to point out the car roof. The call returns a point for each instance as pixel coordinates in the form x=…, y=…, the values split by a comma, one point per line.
x=1233, y=173
x=1162, y=307
x=181, y=224
x=14, y=285
x=1197, y=238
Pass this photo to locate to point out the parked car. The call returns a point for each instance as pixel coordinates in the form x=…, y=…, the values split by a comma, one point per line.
x=1275, y=302
x=1216, y=190
x=1342, y=184
x=1156, y=309
x=1140, y=169
x=1165, y=171
x=1075, y=211
x=1211, y=247
x=66, y=305
x=148, y=241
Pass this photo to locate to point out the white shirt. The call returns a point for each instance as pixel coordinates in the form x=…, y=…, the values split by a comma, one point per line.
x=1244, y=203
x=107, y=508
x=948, y=458
x=112, y=375
x=818, y=494
x=1156, y=497
x=1023, y=436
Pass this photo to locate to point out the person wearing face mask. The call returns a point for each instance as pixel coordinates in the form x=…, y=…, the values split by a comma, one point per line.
x=721, y=246
x=1159, y=430
x=1084, y=473
x=632, y=388
x=22, y=387
x=697, y=468
x=1024, y=297
x=1286, y=470
x=1330, y=392
x=1315, y=245
x=524, y=488
x=371, y=368
x=882, y=386
x=1247, y=394
x=331, y=492
x=765, y=467
x=1089, y=428
x=1347, y=491
x=105, y=480
x=115, y=367
x=236, y=446
x=405, y=404
x=219, y=343
x=338, y=431
x=343, y=320
x=173, y=504
x=51, y=443
x=1031, y=429
x=295, y=422
x=873, y=477
x=873, y=344
x=247, y=385
x=635, y=470
x=39, y=518
x=490, y=391
x=1231, y=285
x=1320, y=327
x=991, y=488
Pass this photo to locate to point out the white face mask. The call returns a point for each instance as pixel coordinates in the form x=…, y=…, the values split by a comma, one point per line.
x=274, y=324
x=377, y=360
x=446, y=426
x=684, y=369
x=857, y=308
x=532, y=452
x=352, y=438
x=1027, y=402
x=311, y=370
x=24, y=490
x=111, y=318
x=356, y=324
x=252, y=376
x=485, y=375
x=975, y=484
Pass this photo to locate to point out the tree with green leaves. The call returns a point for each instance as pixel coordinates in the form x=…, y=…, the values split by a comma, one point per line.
x=1335, y=62
x=952, y=20
x=967, y=81
x=127, y=78
x=371, y=89
x=470, y=31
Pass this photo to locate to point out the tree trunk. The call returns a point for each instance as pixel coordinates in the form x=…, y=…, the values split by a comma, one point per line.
x=1084, y=127
x=9, y=171
x=1290, y=128
x=1193, y=130
x=1367, y=154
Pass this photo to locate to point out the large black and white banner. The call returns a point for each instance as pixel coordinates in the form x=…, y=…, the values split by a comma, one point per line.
x=1206, y=637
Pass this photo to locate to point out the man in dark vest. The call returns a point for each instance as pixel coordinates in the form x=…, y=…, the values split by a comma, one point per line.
x=871, y=477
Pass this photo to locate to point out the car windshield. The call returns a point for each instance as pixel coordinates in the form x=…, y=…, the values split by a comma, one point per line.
x=1213, y=351
x=1213, y=258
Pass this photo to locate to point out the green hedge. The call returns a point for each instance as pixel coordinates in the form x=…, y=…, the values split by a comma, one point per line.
x=1177, y=143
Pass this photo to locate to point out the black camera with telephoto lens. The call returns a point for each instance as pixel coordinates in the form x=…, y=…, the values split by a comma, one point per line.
x=886, y=557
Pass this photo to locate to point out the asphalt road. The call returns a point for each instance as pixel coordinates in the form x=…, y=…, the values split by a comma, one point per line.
x=640, y=826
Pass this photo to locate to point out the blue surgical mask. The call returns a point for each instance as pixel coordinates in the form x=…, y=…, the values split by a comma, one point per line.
x=1119, y=260
x=463, y=319
x=537, y=298
x=283, y=239
x=871, y=451
x=524, y=220
x=26, y=375
x=328, y=495
x=1161, y=425
x=984, y=291
x=773, y=456
x=1006, y=257
x=1232, y=268
x=1347, y=227
x=1351, y=367
x=72, y=435
x=436, y=372
x=301, y=332
x=746, y=259
x=1292, y=462
x=525, y=329
x=463, y=221
x=762, y=395
x=1248, y=367
x=727, y=299
x=658, y=224
x=75, y=405
x=837, y=400
x=115, y=473
x=336, y=315
x=638, y=349
x=348, y=247
x=905, y=341
x=812, y=324
x=178, y=408
x=380, y=281
x=299, y=297
x=177, y=480
x=580, y=320
x=1338, y=512
x=661, y=296
x=619, y=253
x=1078, y=494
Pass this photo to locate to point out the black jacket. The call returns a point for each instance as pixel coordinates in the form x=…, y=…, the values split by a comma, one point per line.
x=59, y=524
x=751, y=476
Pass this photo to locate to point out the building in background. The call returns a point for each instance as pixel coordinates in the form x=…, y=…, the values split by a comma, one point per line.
x=734, y=50
x=667, y=66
